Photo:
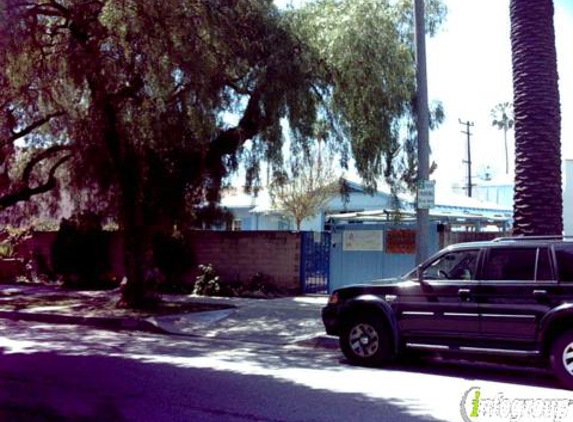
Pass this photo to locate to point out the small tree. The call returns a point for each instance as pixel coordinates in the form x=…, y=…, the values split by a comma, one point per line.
x=306, y=186
x=502, y=118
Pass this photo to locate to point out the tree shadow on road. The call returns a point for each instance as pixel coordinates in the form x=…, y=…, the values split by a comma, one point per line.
x=51, y=386
x=142, y=376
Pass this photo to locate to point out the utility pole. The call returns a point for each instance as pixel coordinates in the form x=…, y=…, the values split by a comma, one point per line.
x=422, y=126
x=467, y=132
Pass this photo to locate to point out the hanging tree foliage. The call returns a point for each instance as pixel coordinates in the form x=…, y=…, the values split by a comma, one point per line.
x=131, y=95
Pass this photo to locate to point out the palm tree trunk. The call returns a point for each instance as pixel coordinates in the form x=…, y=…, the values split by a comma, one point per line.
x=538, y=203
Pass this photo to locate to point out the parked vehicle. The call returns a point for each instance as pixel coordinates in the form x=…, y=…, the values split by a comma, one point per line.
x=507, y=297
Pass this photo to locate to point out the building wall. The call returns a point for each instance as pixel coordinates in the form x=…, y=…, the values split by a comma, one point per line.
x=245, y=217
x=496, y=194
x=568, y=198
x=39, y=247
x=236, y=256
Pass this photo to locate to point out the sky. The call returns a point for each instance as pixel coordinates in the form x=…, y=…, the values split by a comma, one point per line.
x=469, y=71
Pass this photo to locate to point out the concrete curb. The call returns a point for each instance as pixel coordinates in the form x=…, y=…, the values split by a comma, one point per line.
x=132, y=324
x=321, y=341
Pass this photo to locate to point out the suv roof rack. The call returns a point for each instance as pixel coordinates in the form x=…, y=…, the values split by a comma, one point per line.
x=525, y=238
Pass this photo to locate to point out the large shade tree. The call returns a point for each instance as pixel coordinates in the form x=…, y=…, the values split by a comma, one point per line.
x=134, y=96
x=538, y=208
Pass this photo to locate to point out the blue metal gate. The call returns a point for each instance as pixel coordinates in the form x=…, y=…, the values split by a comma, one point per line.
x=315, y=262
x=373, y=254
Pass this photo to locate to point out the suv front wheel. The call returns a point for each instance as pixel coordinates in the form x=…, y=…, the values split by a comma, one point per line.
x=365, y=341
x=562, y=359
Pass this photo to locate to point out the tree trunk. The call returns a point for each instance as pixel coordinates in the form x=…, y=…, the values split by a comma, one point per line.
x=131, y=209
x=538, y=204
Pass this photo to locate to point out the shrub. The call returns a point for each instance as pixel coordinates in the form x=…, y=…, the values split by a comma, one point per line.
x=80, y=253
x=261, y=286
x=207, y=283
x=6, y=249
x=173, y=256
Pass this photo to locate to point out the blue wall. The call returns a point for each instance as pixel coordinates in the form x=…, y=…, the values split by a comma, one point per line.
x=352, y=267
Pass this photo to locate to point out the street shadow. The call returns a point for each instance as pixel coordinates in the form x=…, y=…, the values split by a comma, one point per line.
x=51, y=386
x=78, y=373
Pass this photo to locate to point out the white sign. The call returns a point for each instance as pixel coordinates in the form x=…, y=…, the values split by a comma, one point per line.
x=363, y=240
x=426, y=194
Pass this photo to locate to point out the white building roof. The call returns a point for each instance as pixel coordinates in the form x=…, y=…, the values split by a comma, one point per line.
x=445, y=201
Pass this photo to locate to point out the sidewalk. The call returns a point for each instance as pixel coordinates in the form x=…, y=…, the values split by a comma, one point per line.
x=284, y=321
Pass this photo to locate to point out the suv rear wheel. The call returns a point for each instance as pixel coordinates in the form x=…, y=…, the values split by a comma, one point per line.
x=364, y=340
x=562, y=358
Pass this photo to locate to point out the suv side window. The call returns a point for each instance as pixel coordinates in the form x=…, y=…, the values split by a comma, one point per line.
x=458, y=265
x=564, y=255
x=518, y=264
x=544, y=265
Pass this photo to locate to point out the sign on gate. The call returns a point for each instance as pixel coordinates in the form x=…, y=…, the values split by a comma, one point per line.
x=401, y=241
x=363, y=240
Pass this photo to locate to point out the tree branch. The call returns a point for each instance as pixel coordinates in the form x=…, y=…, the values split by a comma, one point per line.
x=41, y=157
x=24, y=193
x=229, y=140
x=27, y=130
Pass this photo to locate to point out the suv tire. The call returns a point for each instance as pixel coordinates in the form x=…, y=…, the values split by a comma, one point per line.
x=366, y=341
x=562, y=358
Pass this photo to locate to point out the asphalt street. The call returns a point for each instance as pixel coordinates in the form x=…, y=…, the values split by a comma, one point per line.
x=75, y=373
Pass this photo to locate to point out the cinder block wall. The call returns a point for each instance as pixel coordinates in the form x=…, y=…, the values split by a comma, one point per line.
x=237, y=256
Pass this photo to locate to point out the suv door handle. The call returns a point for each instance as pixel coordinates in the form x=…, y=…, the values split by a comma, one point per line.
x=540, y=294
x=465, y=293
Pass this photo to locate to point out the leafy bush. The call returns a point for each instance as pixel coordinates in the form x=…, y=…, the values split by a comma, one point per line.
x=261, y=285
x=6, y=249
x=10, y=240
x=173, y=256
x=80, y=253
x=208, y=282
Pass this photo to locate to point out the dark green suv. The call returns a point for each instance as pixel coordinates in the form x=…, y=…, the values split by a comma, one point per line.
x=507, y=297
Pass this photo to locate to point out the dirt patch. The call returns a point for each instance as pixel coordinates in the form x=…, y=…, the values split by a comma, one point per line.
x=102, y=304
